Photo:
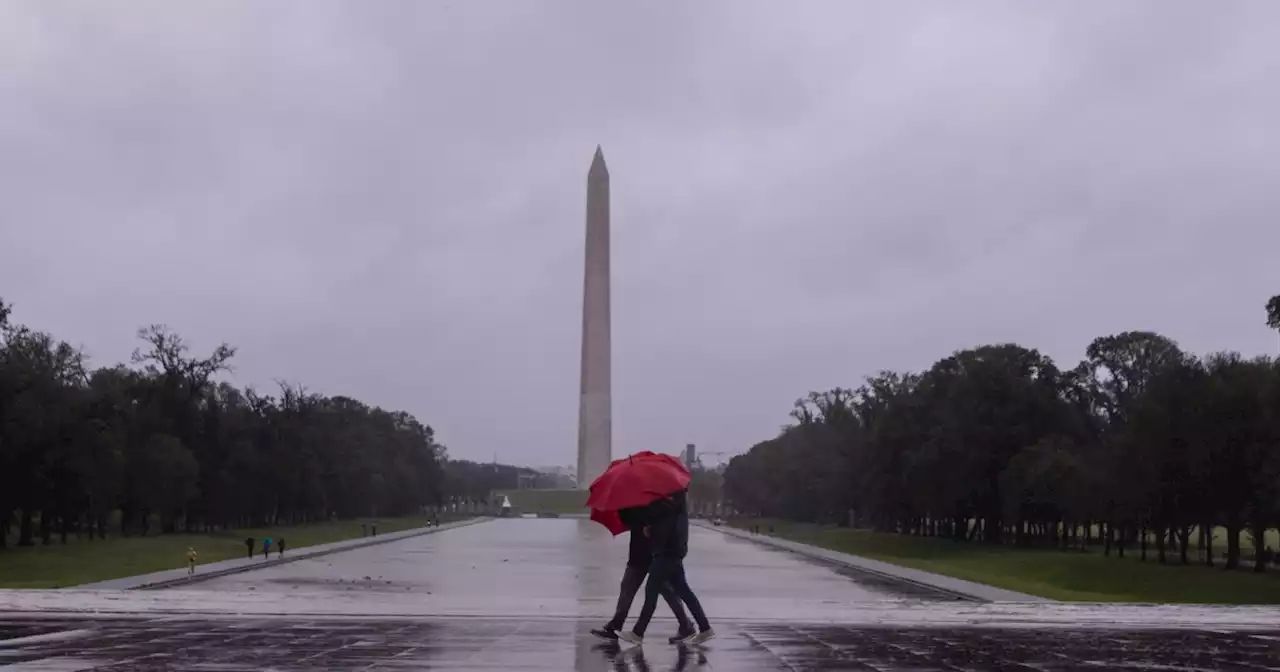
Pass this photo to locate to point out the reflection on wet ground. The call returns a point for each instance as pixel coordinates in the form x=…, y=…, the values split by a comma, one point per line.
x=562, y=644
x=528, y=563
x=521, y=595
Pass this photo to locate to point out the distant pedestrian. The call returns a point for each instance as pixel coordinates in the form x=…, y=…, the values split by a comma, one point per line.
x=375, y=530
x=191, y=561
x=266, y=548
x=280, y=547
x=364, y=529
x=248, y=545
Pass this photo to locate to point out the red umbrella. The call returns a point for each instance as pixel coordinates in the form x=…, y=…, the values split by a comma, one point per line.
x=610, y=519
x=636, y=481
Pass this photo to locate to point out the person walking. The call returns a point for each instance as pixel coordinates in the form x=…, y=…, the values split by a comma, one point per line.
x=248, y=546
x=668, y=525
x=266, y=548
x=280, y=547
x=639, y=560
x=191, y=561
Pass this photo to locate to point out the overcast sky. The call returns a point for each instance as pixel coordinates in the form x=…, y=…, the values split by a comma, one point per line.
x=386, y=199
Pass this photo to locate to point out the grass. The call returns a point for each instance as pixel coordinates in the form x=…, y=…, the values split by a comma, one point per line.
x=558, y=501
x=1060, y=575
x=83, y=561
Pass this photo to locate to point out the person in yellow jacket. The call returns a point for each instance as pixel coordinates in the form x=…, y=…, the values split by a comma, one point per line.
x=191, y=561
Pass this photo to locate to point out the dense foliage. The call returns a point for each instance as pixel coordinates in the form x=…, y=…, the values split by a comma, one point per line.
x=162, y=443
x=476, y=481
x=996, y=443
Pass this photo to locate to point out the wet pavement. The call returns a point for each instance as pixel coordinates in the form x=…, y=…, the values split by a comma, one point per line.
x=521, y=594
x=532, y=566
x=560, y=644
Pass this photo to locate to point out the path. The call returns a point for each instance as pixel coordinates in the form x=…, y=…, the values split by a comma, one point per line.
x=569, y=567
x=520, y=594
x=558, y=646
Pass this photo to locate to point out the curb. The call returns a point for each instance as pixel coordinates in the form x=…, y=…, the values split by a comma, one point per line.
x=921, y=579
x=301, y=554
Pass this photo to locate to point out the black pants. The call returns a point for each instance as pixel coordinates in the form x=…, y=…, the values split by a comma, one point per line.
x=667, y=573
x=631, y=580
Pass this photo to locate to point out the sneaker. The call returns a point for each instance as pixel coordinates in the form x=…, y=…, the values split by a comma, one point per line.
x=699, y=637
x=606, y=633
x=631, y=637
x=681, y=636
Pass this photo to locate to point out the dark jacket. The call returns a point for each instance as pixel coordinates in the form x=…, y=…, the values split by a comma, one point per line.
x=640, y=553
x=668, y=522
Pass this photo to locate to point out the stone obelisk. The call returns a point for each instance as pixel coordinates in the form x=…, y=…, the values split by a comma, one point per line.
x=595, y=405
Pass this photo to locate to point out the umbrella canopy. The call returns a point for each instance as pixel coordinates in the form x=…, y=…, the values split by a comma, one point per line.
x=636, y=481
x=611, y=521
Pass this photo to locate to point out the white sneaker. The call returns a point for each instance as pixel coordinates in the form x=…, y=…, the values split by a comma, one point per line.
x=699, y=637
x=631, y=637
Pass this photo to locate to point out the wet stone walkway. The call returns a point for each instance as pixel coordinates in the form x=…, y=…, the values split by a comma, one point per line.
x=529, y=564
x=560, y=644
x=522, y=594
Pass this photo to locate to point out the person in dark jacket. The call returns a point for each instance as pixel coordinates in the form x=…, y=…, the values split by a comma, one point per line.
x=639, y=559
x=667, y=521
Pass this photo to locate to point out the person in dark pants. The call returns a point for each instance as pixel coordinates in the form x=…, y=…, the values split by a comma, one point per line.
x=280, y=547
x=248, y=546
x=668, y=525
x=639, y=559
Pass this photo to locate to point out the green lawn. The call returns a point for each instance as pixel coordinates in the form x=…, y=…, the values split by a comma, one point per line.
x=58, y=566
x=1069, y=576
x=562, y=501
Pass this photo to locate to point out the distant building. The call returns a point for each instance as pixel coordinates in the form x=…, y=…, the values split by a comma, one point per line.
x=690, y=454
x=555, y=477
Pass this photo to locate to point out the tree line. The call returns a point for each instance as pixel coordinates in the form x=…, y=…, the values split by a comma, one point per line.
x=1141, y=445
x=476, y=481
x=161, y=444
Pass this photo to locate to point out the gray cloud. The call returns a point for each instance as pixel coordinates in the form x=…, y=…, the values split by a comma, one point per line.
x=386, y=199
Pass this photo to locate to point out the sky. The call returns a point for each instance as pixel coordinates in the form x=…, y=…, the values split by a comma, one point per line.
x=386, y=199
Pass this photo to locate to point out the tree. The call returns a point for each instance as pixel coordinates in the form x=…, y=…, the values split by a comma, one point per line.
x=1243, y=444
x=706, y=487
x=1045, y=484
x=168, y=446
x=1164, y=459
x=1273, y=313
x=1140, y=442
x=40, y=375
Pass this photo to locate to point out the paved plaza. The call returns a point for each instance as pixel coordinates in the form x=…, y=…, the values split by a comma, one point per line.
x=520, y=594
x=474, y=644
x=569, y=567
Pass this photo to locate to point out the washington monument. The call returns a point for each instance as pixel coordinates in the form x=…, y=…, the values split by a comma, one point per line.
x=595, y=405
